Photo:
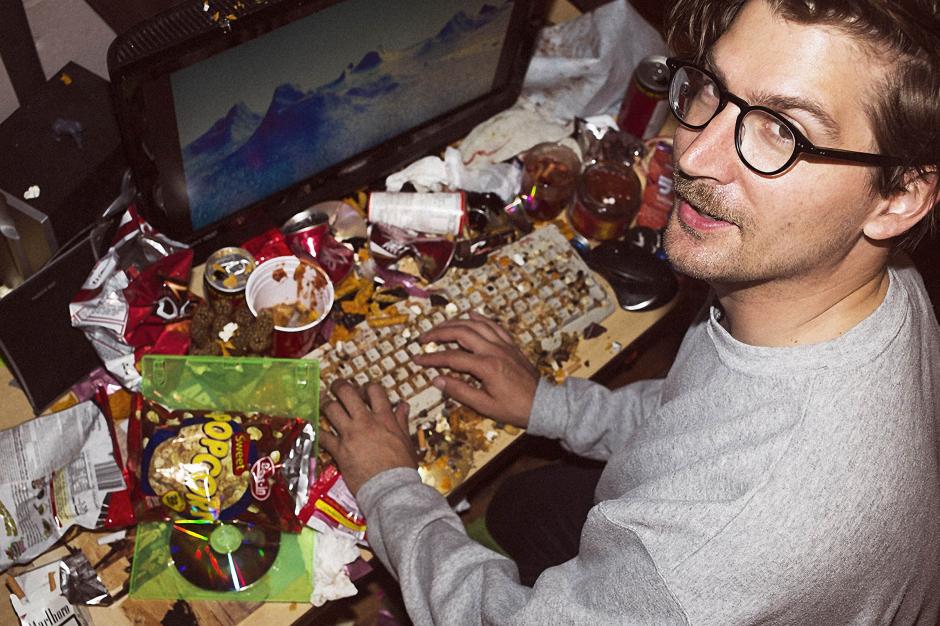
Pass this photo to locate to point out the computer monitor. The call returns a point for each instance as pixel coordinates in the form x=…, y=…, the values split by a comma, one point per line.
x=234, y=115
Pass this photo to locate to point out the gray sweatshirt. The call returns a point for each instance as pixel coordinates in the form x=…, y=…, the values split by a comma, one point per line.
x=774, y=485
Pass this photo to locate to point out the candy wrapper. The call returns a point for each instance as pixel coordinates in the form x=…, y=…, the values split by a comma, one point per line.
x=332, y=507
x=61, y=470
x=600, y=140
x=215, y=465
x=136, y=300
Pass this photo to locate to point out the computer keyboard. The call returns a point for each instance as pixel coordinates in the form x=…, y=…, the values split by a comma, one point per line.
x=538, y=288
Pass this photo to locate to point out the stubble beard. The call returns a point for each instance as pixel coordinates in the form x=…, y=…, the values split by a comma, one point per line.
x=740, y=255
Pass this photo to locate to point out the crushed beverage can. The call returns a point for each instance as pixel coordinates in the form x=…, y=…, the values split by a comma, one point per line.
x=644, y=108
x=310, y=234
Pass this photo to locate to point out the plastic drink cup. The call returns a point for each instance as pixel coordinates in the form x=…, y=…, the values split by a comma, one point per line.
x=288, y=282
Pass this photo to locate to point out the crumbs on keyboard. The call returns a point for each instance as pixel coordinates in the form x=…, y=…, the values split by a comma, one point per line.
x=538, y=288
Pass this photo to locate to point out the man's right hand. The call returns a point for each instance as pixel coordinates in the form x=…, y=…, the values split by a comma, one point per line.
x=486, y=352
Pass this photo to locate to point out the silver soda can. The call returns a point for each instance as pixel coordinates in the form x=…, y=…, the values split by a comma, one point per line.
x=226, y=273
x=644, y=107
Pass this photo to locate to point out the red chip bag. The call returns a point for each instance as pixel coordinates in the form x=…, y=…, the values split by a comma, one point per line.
x=136, y=300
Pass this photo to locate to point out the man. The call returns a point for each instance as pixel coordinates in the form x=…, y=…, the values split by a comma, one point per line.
x=786, y=470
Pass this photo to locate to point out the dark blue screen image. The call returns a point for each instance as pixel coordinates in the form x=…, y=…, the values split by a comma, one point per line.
x=257, y=118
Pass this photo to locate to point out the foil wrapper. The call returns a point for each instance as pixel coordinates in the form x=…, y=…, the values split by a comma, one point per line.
x=606, y=143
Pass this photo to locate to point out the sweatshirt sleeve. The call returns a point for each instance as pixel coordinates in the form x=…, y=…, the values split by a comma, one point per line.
x=447, y=578
x=591, y=420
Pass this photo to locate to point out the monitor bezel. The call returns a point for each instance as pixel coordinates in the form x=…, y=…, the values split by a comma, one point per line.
x=141, y=63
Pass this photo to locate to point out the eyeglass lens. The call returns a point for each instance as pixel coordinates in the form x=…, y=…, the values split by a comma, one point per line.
x=764, y=141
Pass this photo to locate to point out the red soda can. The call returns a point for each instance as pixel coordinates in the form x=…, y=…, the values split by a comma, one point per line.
x=644, y=107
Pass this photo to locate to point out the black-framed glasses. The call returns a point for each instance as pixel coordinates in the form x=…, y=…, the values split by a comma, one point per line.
x=767, y=142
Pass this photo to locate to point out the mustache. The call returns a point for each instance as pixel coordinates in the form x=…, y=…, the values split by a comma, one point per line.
x=705, y=198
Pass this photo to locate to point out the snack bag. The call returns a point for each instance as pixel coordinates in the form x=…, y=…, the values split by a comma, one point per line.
x=219, y=465
x=136, y=300
x=60, y=470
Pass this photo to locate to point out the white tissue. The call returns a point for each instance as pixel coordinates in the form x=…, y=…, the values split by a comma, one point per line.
x=330, y=581
x=435, y=174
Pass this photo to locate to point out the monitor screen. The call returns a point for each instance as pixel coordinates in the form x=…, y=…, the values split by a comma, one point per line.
x=307, y=97
x=256, y=119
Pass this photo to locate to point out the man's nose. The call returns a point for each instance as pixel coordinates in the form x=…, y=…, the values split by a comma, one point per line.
x=710, y=152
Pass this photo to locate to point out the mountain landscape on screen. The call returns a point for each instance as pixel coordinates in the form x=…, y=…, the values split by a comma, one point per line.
x=248, y=155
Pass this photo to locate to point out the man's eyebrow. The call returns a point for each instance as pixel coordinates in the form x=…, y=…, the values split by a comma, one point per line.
x=781, y=103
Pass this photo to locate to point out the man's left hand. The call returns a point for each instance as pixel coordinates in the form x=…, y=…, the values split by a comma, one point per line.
x=370, y=437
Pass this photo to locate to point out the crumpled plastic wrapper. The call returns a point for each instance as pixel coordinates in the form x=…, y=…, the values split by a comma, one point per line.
x=330, y=578
x=80, y=582
x=582, y=67
x=136, y=299
x=452, y=172
x=600, y=140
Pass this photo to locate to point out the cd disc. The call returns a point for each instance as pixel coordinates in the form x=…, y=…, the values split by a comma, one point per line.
x=222, y=556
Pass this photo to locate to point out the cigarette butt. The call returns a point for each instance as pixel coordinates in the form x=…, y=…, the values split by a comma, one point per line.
x=51, y=581
x=422, y=440
x=14, y=587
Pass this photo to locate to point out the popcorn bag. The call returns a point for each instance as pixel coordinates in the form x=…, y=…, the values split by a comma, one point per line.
x=215, y=465
x=136, y=300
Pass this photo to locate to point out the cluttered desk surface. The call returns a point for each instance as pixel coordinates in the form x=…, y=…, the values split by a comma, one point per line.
x=482, y=438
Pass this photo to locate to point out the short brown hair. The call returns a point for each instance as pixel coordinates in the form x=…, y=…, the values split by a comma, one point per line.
x=906, y=116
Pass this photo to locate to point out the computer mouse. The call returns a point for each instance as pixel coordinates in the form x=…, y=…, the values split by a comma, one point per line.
x=640, y=280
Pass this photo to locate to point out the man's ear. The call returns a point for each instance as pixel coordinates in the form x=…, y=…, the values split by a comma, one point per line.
x=900, y=212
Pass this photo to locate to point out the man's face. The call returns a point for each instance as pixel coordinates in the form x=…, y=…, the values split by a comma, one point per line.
x=804, y=221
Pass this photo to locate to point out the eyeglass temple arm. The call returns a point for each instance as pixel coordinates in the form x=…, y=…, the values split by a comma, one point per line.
x=849, y=155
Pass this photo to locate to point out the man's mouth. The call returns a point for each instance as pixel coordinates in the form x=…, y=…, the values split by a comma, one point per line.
x=698, y=218
x=699, y=207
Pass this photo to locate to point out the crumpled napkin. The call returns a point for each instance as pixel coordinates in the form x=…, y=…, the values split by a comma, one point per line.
x=434, y=174
x=330, y=580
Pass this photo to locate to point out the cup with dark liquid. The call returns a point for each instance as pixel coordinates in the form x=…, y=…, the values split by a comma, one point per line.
x=607, y=199
x=549, y=176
